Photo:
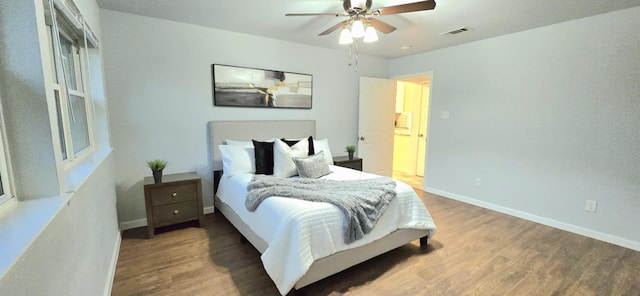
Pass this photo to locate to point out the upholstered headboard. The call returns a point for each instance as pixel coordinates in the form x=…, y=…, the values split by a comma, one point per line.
x=219, y=131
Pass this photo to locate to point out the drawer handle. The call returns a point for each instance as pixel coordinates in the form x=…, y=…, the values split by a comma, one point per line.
x=175, y=212
x=174, y=194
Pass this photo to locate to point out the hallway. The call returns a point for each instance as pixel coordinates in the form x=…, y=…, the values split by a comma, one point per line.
x=414, y=181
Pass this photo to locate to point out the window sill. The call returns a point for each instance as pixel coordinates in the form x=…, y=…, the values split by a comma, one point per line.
x=77, y=174
x=21, y=222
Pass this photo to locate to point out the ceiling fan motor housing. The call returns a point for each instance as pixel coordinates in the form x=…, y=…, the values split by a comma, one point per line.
x=356, y=5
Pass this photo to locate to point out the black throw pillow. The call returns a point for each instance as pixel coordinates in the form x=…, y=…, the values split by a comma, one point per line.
x=264, y=157
x=293, y=142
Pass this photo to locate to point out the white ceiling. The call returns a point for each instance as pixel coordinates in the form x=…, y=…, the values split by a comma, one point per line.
x=420, y=30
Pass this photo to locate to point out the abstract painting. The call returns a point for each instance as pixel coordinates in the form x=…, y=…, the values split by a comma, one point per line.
x=249, y=87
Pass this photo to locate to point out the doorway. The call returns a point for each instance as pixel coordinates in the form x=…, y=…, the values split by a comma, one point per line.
x=410, y=134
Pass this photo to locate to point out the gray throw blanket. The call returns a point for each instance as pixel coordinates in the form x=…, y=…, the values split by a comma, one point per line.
x=362, y=201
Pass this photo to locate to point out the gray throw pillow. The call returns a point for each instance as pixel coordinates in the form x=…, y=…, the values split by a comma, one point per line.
x=312, y=167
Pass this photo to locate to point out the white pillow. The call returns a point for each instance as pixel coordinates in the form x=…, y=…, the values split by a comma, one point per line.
x=239, y=143
x=313, y=166
x=323, y=145
x=283, y=165
x=237, y=160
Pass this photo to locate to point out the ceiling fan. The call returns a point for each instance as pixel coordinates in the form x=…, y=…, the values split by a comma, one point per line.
x=360, y=22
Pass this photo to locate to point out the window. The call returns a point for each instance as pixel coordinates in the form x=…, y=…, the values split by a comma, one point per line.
x=5, y=186
x=70, y=86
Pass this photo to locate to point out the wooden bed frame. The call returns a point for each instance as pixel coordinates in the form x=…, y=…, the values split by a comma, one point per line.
x=219, y=131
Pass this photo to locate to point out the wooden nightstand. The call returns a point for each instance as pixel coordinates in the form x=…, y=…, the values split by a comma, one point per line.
x=344, y=161
x=177, y=199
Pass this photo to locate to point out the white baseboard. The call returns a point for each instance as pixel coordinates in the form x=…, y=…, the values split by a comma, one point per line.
x=112, y=266
x=133, y=224
x=542, y=220
x=143, y=222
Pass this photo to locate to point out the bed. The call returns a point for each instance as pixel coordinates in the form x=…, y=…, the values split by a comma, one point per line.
x=300, y=240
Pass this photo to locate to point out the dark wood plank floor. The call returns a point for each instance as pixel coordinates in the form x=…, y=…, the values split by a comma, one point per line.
x=474, y=252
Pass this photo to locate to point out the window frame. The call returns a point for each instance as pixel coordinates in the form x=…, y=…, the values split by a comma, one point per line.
x=6, y=180
x=63, y=111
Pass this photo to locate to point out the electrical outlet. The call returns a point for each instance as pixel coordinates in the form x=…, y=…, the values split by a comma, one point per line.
x=478, y=182
x=445, y=115
x=591, y=206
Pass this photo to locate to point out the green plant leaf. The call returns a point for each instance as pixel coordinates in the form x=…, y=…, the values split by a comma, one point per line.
x=350, y=148
x=157, y=164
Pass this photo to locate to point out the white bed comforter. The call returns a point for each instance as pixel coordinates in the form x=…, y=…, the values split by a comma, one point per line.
x=299, y=232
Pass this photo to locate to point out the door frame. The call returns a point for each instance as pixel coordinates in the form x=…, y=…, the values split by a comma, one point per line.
x=419, y=78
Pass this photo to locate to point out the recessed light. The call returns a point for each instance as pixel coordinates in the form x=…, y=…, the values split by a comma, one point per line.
x=405, y=47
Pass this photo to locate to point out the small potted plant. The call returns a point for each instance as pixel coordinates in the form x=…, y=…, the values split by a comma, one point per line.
x=350, y=149
x=156, y=166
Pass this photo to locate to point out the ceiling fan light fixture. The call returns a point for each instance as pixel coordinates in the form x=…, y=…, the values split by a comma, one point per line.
x=357, y=29
x=345, y=36
x=370, y=35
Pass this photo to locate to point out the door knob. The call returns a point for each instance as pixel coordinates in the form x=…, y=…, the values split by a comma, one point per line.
x=361, y=138
x=421, y=135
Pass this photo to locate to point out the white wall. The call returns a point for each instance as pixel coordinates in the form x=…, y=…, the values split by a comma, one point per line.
x=72, y=250
x=548, y=118
x=159, y=84
x=76, y=252
x=24, y=102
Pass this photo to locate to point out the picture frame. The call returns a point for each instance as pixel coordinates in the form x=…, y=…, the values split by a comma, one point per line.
x=235, y=86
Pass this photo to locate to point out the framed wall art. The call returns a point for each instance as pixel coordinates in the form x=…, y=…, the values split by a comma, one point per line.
x=248, y=87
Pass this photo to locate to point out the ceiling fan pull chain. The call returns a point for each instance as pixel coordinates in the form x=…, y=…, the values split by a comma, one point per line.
x=350, y=46
x=356, y=55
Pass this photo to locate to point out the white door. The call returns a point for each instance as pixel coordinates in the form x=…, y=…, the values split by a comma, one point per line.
x=376, y=125
x=422, y=131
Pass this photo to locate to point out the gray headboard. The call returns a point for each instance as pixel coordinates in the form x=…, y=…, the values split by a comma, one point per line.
x=249, y=130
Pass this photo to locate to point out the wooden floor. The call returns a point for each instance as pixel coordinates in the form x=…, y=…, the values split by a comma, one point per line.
x=474, y=252
x=413, y=180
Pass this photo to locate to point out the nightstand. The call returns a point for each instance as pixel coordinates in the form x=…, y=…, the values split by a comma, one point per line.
x=344, y=161
x=177, y=199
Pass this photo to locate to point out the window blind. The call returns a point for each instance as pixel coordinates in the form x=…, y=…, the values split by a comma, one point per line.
x=74, y=20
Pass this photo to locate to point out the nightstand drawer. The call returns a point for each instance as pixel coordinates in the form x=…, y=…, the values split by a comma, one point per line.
x=174, y=213
x=173, y=194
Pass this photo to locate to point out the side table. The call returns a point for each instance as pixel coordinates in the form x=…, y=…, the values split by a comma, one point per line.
x=177, y=199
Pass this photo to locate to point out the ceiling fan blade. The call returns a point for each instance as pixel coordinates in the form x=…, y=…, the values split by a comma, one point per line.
x=368, y=5
x=335, y=27
x=409, y=7
x=317, y=14
x=381, y=26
